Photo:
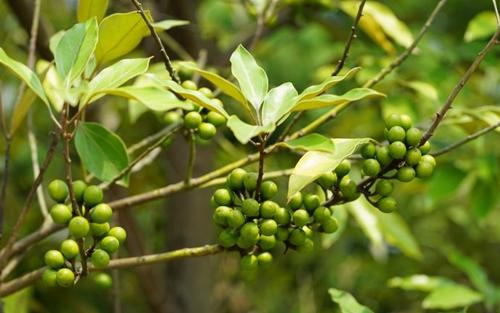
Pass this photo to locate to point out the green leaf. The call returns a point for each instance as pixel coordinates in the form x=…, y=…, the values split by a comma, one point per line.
x=24, y=73
x=102, y=152
x=330, y=100
x=52, y=84
x=418, y=282
x=119, y=34
x=311, y=142
x=21, y=109
x=115, y=76
x=397, y=233
x=244, y=132
x=423, y=88
x=481, y=26
x=278, y=103
x=346, y=302
x=251, y=77
x=314, y=163
x=368, y=221
x=90, y=8
x=168, y=24
x=54, y=41
x=315, y=90
x=18, y=302
x=74, y=50
x=450, y=297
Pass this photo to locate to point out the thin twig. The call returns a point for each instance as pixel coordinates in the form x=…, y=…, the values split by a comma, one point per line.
x=261, y=23
x=36, y=167
x=267, y=175
x=262, y=154
x=352, y=36
x=148, y=140
x=496, y=11
x=191, y=158
x=290, y=125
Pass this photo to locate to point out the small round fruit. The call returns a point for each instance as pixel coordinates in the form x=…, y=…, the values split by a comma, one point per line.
x=383, y=156
x=405, y=121
x=371, y=167
x=235, y=179
x=250, y=207
x=249, y=263
x=65, y=277
x=300, y=217
x=384, y=187
x=109, y=244
x=119, y=233
x=103, y=281
x=425, y=148
x=406, y=174
x=54, y=259
x=268, y=189
x=92, y=196
x=206, y=131
x=216, y=119
x=49, y=278
x=413, y=156
x=99, y=258
x=396, y=133
x=397, y=150
x=329, y=225
x=413, y=136
x=343, y=168
x=223, y=197
x=307, y=247
x=430, y=159
x=99, y=230
x=58, y=190
x=236, y=219
x=297, y=237
x=189, y=84
x=282, y=216
x=61, y=213
x=245, y=244
x=265, y=259
x=70, y=249
x=268, y=227
x=387, y=204
x=207, y=92
x=311, y=201
x=349, y=188
x=424, y=169
x=221, y=215
x=282, y=233
x=172, y=117
x=249, y=231
x=392, y=120
x=321, y=213
x=101, y=213
x=192, y=120
x=227, y=239
x=295, y=201
x=368, y=150
x=250, y=181
x=79, y=227
x=268, y=209
x=267, y=242
x=327, y=180
x=79, y=187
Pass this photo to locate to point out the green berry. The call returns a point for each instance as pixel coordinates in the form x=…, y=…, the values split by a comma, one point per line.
x=343, y=168
x=54, y=259
x=245, y=243
x=207, y=92
x=329, y=225
x=216, y=119
x=79, y=187
x=99, y=230
x=309, y=232
x=300, y=217
x=249, y=231
x=249, y=263
x=222, y=215
x=267, y=242
x=265, y=259
x=268, y=227
x=49, y=278
x=119, y=233
x=406, y=174
x=368, y=150
x=392, y=120
x=109, y=244
x=58, y=190
x=384, y=187
x=425, y=148
x=295, y=201
x=103, y=281
x=206, y=131
x=172, y=117
x=223, y=197
x=250, y=181
x=383, y=156
x=192, y=120
x=92, y=196
x=327, y=180
x=65, y=277
x=430, y=159
x=297, y=237
x=227, y=239
x=282, y=216
x=99, y=258
x=268, y=209
x=396, y=133
x=371, y=167
x=349, y=188
x=250, y=207
x=413, y=136
x=236, y=219
x=282, y=233
x=311, y=201
x=70, y=249
x=101, y=213
x=424, y=169
x=189, y=84
x=321, y=213
x=268, y=189
x=235, y=179
x=61, y=213
x=413, y=156
x=78, y=227
x=405, y=121
x=397, y=150
x=307, y=247
x=386, y=204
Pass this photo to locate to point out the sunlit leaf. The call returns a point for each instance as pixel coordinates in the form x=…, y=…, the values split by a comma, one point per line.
x=311, y=142
x=451, y=297
x=277, y=103
x=244, y=132
x=418, y=282
x=368, y=221
x=54, y=41
x=331, y=100
x=90, y=8
x=315, y=90
x=346, y=302
x=423, y=88
x=168, y=24
x=18, y=302
x=481, y=26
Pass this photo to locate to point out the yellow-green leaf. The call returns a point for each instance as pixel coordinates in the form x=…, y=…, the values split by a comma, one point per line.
x=311, y=142
x=244, y=132
x=315, y=90
x=481, y=26
x=90, y=8
x=21, y=109
x=278, y=102
x=451, y=296
x=330, y=100
x=168, y=24
x=346, y=302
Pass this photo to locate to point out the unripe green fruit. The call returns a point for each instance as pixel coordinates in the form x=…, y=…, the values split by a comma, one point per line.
x=101, y=213
x=244, y=244
x=222, y=215
x=371, y=167
x=250, y=207
x=207, y=92
x=327, y=180
x=307, y=247
x=268, y=189
x=425, y=148
x=413, y=156
x=213, y=203
x=235, y=179
x=424, y=169
x=321, y=213
x=249, y=231
x=103, y=281
x=413, y=136
x=265, y=259
x=396, y=133
x=268, y=227
x=406, y=174
x=61, y=213
x=172, y=117
x=249, y=263
x=267, y=242
x=70, y=249
x=397, y=150
x=282, y=233
x=92, y=196
x=58, y=190
x=383, y=156
x=192, y=120
x=99, y=230
x=329, y=225
x=297, y=237
x=119, y=233
x=79, y=187
x=308, y=231
x=300, y=217
x=368, y=150
x=343, y=168
x=109, y=244
x=250, y=181
x=430, y=159
x=236, y=219
x=223, y=197
x=268, y=209
x=349, y=188
x=311, y=201
x=54, y=259
x=282, y=216
x=216, y=119
x=295, y=201
x=65, y=277
x=227, y=239
x=206, y=131
x=49, y=278
x=387, y=204
x=384, y=187
x=99, y=258
x=78, y=227
x=189, y=84
x=392, y=120
x=405, y=121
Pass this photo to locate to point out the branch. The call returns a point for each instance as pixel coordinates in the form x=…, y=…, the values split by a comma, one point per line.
x=352, y=36
x=262, y=155
x=192, y=155
x=261, y=23
x=267, y=175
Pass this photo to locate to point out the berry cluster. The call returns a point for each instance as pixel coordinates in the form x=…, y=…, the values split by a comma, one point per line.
x=90, y=219
x=202, y=123
x=251, y=223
